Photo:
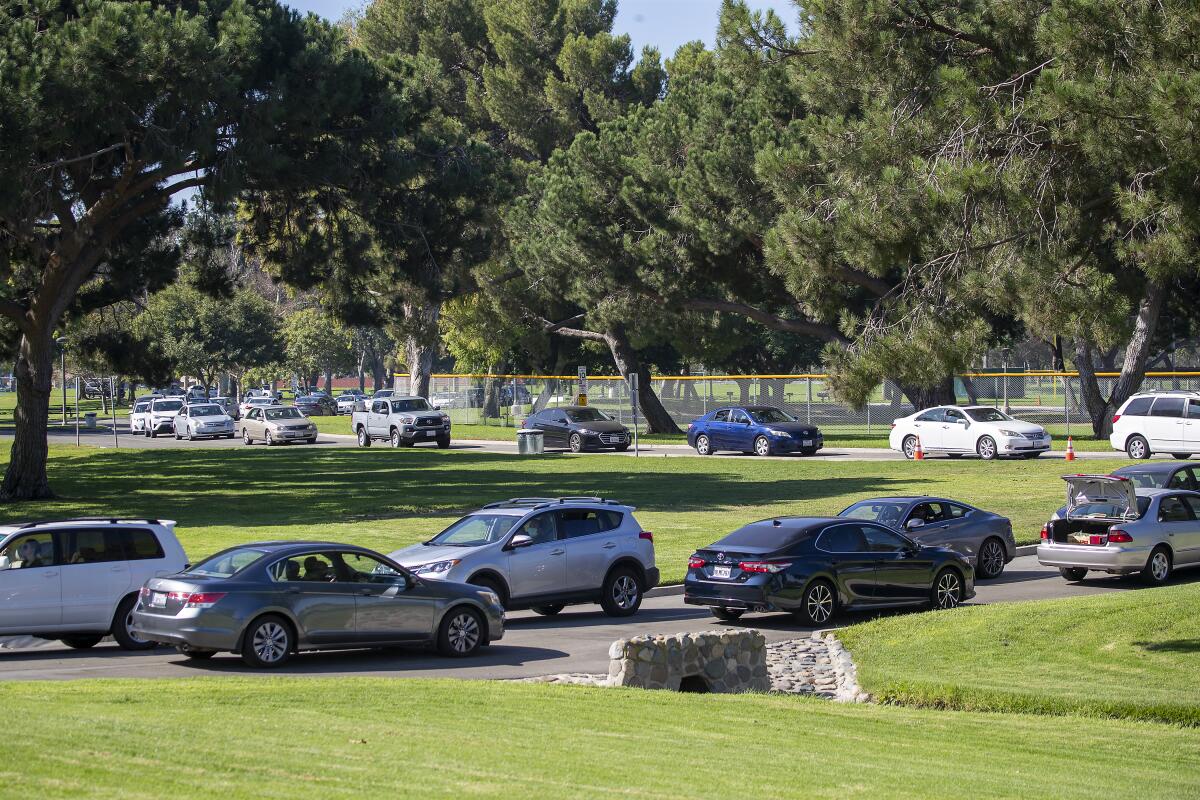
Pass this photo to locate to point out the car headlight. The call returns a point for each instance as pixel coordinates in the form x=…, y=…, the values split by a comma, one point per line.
x=408, y=420
x=491, y=598
x=587, y=432
x=436, y=567
x=775, y=432
x=1004, y=432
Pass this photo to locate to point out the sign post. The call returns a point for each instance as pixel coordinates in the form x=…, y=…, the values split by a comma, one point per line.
x=581, y=400
x=633, y=401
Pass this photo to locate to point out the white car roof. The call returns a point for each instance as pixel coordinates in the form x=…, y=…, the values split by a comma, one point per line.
x=27, y=527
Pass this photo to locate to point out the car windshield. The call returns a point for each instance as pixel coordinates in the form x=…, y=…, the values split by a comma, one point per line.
x=476, y=530
x=1107, y=509
x=585, y=415
x=168, y=405
x=228, y=563
x=768, y=415
x=140, y=407
x=283, y=413
x=205, y=411
x=415, y=404
x=888, y=512
x=988, y=415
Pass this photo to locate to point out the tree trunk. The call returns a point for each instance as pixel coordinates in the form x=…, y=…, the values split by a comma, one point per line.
x=491, y=395
x=420, y=345
x=941, y=394
x=626, y=360
x=25, y=478
x=329, y=381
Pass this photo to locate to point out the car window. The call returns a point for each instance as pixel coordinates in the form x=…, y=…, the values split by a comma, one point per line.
x=306, y=568
x=1167, y=407
x=955, y=511
x=379, y=407
x=843, y=539
x=1138, y=407
x=541, y=529
x=584, y=415
x=476, y=530
x=141, y=408
x=987, y=415
x=362, y=568
x=1180, y=480
x=765, y=416
x=90, y=546
x=881, y=540
x=721, y=416
x=31, y=551
x=954, y=415
x=228, y=563
x=1173, y=509
x=1193, y=409
x=738, y=417
x=932, y=415
x=929, y=512
x=888, y=512
x=559, y=416
x=1193, y=503
x=140, y=544
x=576, y=522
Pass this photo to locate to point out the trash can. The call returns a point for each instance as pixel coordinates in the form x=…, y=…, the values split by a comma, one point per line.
x=89, y=419
x=530, y=442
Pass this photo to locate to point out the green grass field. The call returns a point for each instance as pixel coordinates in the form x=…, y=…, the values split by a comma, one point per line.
x=384, y=498
x=1127, y=654
x=333, y=738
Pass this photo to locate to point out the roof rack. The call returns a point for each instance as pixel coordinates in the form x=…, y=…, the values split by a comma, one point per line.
x=111, y=520
x=540, y=502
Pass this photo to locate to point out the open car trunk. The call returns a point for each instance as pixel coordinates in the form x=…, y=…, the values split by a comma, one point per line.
x=1095, y=503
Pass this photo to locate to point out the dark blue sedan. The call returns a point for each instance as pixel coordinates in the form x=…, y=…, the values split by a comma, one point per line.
x=762, y=430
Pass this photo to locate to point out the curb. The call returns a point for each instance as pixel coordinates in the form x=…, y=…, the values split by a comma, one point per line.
x=665, y=591
x=1027, y=549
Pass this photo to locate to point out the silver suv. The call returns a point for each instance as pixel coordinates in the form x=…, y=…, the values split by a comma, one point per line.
x=544, y=553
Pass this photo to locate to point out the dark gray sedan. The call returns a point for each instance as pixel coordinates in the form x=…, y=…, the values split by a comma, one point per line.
x=983, y=537
x=268, y=600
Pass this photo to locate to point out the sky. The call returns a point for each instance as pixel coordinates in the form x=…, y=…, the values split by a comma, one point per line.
x=665, y=24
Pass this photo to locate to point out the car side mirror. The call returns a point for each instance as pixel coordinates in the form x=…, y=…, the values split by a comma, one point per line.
x=5, y=563
x=966, y=423
x=520, y=540
x=915, y=524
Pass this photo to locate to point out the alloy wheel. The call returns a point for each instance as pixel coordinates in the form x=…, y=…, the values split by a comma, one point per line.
x=625, y=592
x=463, y=632
x=702, y=445
x=762, y=447
x=819, y=603
x=992, y=558
x=986, y=448
x=949, y=590
x=270, y=642
x=245, y=436
x=1160, y=566
x=1137, y=448
x=129, y=629
x=395, y=438
x=910, y=447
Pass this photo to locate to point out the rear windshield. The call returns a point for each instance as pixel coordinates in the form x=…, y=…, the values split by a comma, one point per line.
x=761, y=535
x=584, y=415
x=1108, y=510
x=228, y=563
x=1147, y=480
x=416, y=404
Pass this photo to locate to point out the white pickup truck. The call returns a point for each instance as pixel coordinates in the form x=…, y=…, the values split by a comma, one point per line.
x=403, y=421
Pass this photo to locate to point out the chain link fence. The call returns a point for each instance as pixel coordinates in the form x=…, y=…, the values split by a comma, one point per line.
x=1047, y=398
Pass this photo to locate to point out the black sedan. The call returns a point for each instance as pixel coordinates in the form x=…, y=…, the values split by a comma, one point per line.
x=268, y=600
x=317, y=405
x=579, y=428
x=813, y=566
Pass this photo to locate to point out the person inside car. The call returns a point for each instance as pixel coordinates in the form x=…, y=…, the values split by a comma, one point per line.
x=316, y=570
x=30, y=555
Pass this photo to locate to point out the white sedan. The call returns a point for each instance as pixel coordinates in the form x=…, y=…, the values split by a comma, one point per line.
x=982, y=430
x=196, y=420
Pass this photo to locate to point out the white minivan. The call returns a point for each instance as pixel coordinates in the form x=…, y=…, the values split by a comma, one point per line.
x=1158, y=422
x=77, y=580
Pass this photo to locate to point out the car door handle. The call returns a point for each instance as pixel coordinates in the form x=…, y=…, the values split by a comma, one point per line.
x=117, y=569
x=50, y=574
x=608, y=545
x=557, y=552
x=293, y=590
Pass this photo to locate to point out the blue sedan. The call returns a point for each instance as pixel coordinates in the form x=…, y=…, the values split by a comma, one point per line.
x=762, y=430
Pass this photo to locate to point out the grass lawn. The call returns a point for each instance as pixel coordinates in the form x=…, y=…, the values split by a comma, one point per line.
x=331, y=738
x=384, y=498
x=1127, y=654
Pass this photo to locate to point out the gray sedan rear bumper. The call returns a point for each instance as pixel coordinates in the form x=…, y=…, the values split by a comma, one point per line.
x=1107, y=558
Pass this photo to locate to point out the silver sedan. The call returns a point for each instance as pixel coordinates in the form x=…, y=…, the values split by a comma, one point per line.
x=269, y=600
x=197, y=420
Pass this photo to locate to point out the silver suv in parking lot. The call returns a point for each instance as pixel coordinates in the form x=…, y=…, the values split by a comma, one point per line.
x=545, y=553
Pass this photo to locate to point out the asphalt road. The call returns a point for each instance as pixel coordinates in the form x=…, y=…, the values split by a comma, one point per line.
x=577, y=640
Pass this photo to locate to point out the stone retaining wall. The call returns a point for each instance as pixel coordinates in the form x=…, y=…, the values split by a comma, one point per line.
x=721, y=661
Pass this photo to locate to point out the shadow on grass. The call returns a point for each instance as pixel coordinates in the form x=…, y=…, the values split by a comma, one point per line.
x=392, y=660
x=1171, y=646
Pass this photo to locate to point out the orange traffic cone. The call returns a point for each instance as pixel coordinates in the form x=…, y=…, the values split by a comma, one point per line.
x=918, y=454
x=1070, y=456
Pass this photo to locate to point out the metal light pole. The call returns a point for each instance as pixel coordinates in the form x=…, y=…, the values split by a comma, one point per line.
x=62, y=354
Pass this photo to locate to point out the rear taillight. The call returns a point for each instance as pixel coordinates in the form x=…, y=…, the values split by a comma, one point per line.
x=647, y=535
x=893, y=425
x=145, y=592
x=1115, y=418
x=1119, y=536
x=196, y=599
x=696, y=562
x=764, y=566
x=1045, y=534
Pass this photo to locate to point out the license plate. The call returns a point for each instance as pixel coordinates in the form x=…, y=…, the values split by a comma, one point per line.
x=431, y=433
x=721, y=572
x=158, y=600
x=806, y=442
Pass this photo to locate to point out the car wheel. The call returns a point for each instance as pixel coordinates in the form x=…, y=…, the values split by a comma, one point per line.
x=363, y=439
x=122, y=627
x=1137, y=448
x=575, y=443
x=461, y=632
x=909, y=446
x=622, y=593
x=193, y=653
x=1073, y=574
x=229, y=436
x=817, y=604
x=313, y=440
x=81, y=642
x=396, y=441
x=1181, y=456
x=986, y=448
x=947, y=590
x=762, y=446
x=1158, y=567
x=549, y=611
x=267, y=642
x=703, y=445
x=443, y=443
x=270, y=442
x=1030, y=456
x=246, y=437
x=153, y=433
x=953, y=455
x=991, y=559
x=727, y=614
x=493, y=586
x=177, y=436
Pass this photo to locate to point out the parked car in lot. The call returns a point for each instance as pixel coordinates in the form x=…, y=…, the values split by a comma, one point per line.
x=983, y=537
x=228, y=405
x=982, y=430
x=447, y=400
x=269, y=600
x=161, y=416
x=200, y=420
x=254, y=402
x=1162, y=475
x=346, y=401
x=814, y=566
x=579, y=428
x=317, y=405
x=138, y=415
x=384, y=394
x=403, y=421
x=274, y=395
x=762, y=430
x=277, y=425
x=1112, y=526
x=1158, y=422
x=545, y=553
x=77, y=579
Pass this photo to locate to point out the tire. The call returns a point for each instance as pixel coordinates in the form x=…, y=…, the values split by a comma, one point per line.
x=947, y=590
x=492, y=584
x=818, y=603
x=363, y=439
x=954, y=455
x=193, y=653
x=153, y=433
x=909, y=447
x=246, y=440
x=121, y=624
x=268, y=440
x=621, y=595
x=177, y=436
x=146, y=432
x=575, y=443
x=313, y=440
x=268, y=642
x=549, y=611
x=990, y=562
x=81, y=642
x=1073, y=574
x=443, y=444
x=726, y=614
x=461, y=633
x=703, y=445
x=229, y=436
x=1181, y=456
x=1158, y=567
x=395, y=438
x=1137, y=448
x=986, y=448
x=1030, y=456
x=762, y=446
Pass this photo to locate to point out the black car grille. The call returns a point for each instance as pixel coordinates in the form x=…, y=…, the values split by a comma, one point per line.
x=612, y=438
x=429, y=422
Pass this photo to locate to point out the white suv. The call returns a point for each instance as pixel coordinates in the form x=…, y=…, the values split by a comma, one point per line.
x=1158, y=422
x=77, y=580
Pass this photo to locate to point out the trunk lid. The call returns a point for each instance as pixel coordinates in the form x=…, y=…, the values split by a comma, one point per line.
x=1098, y=490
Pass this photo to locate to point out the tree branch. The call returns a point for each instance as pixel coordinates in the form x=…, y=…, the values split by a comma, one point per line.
x=821, y=331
